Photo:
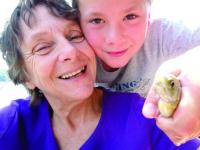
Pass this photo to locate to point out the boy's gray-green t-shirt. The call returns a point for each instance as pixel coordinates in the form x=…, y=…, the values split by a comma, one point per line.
x=165, y=39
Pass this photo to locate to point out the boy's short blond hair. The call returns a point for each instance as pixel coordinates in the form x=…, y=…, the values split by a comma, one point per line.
x=75, y=3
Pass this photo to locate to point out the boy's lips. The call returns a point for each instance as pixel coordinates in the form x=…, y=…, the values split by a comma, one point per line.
x=117, y=53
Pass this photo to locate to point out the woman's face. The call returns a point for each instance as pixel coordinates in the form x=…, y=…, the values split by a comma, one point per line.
x=57, y=59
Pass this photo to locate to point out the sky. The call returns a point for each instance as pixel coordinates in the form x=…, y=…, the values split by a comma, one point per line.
x=186, y=10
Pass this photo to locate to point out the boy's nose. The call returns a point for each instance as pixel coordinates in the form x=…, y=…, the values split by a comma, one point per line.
x=114, y=35
x=67, y=51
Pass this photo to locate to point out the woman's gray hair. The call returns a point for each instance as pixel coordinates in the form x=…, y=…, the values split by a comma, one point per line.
x=12, y=37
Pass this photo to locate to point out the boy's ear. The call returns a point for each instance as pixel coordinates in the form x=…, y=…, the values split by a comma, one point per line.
x=30, y=85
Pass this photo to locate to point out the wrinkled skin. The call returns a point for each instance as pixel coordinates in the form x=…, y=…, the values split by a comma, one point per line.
x=168, y=88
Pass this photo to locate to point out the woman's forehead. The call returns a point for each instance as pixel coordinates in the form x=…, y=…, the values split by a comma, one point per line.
x=44, y=22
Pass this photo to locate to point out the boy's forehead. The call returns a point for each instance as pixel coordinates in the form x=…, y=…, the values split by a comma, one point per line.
x=117, y=6
x=78, y=2
x=106, y=5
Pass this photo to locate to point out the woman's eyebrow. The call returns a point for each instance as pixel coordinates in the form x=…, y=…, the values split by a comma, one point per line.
x=34, y=37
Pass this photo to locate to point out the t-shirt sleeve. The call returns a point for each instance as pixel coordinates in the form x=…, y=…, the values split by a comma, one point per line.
x=172, y=38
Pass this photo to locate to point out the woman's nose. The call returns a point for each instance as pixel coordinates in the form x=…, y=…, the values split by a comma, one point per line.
x=67, y=51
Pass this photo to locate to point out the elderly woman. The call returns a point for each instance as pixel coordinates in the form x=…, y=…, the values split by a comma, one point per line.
x=46, y=52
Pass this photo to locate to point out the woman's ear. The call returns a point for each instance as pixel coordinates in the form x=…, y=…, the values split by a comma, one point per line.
x=30, y=85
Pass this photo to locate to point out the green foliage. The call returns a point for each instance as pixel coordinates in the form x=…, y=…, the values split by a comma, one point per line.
x=3, y=75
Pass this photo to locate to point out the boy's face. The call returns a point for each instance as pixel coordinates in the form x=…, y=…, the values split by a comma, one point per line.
x=116, y=29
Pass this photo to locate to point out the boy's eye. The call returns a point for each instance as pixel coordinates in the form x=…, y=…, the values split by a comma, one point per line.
x=42, y=49
x=75, y=36
x=96, y=21
x=130, y=17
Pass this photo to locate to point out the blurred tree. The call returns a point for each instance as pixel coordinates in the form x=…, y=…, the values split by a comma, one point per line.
x=3, y=75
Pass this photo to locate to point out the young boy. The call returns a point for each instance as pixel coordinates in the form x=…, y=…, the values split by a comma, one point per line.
x=129, y=47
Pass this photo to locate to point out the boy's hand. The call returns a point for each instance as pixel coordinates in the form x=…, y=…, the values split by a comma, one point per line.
x=185, y=122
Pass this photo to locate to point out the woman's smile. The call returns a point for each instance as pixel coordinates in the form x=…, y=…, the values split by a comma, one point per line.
x=74, y=74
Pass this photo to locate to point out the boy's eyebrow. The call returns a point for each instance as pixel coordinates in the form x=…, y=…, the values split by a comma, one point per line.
x=133, y=7
x=130, y=9
x=95, y=14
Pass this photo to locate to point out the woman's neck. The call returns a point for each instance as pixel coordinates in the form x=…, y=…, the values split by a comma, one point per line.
x=81, y=109
x=78, y=123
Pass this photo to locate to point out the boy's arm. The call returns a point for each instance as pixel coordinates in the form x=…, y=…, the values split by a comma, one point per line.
x=185, y=122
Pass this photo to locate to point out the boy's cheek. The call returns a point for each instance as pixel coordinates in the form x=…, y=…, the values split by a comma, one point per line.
x=92, y=34
x=95, y=36
x=93, y=39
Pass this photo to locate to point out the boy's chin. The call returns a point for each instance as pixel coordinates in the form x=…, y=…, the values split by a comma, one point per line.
x=112, y=67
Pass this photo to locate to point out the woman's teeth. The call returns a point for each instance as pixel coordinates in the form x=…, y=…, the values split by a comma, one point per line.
x=73, y=74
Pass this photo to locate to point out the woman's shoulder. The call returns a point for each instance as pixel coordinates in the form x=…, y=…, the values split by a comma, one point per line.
x=9, y=114
x=19, y=112
x=20, y=122
x=166, y=22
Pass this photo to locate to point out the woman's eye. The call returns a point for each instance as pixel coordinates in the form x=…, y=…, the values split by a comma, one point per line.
x=96, y=21
x=42, y=49
x=75, y=36
x=130, y=17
